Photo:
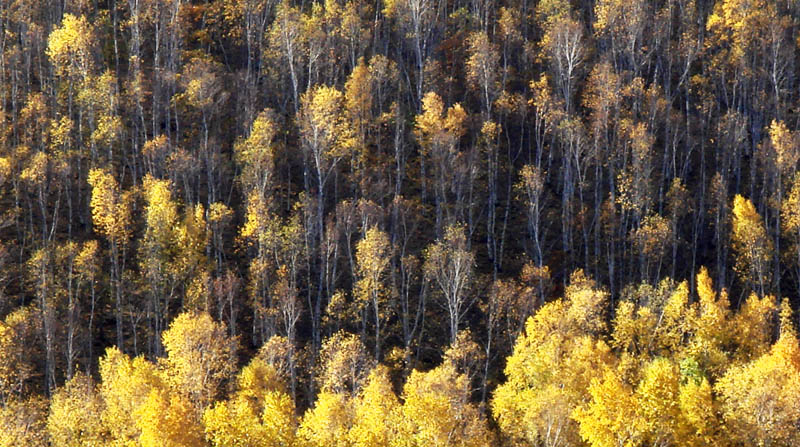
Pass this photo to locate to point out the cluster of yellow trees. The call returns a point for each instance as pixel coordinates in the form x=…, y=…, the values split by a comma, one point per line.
x=665, y=369
x=668, y=371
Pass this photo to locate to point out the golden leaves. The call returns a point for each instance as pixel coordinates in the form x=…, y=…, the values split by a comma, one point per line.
x=75, y=414
x=111, y=209
x=200, y=356
x=751, y=243
x=373, y=254
x=759, y=399
x=326, y=132
x=70, y=47
x=437, y=130
x=256, y=154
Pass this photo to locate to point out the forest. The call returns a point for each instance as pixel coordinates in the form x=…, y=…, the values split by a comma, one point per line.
x=399, y=223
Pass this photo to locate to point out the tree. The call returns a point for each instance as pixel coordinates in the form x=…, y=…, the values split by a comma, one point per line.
x=260, y=413
x=482, y=69
x=373, y=254
x=200, y=357
x=70, y=48
x=658, y=405
x=754, y=327
x=758, y=397
x=437, y=412
x=75, y=414
x=751, y=244
x=790, y=219
x=327, y=138
x=236, y=423
x=449, y=264
x=709, y=324
x=553, y=364
x=438, y=131
x=651, y=239
x=247, y=22
x=125, y=386
x=609, y=419
x=328, y=422
x=204, y=91
x=531, y=186
x=698, y=424
x=376, y=412
x=418, y=21
x=111, y=214
x=344, y=363
x=23, y=423
x=157, y=251
x=256, y=155
x=358, y=94
x=16, y=362
x=170, y=420
x=563, y=44
x=285, y=36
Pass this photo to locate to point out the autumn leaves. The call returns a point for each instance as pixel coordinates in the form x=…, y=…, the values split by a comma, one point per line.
x=667, y=371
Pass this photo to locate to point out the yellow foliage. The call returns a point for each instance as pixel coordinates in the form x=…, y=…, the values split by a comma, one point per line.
x=376, y=412
x=59, y=133
x=258, y=224
x=437, y=412
x=111, y=211
x=260, y=414
x=783, y=143
x=754, y=326
x=345, y=364
x=157, y=148
x=233, y=423
x=70, y=47
x=16, y=367
x=358, y=98
x=483, y=64
x=657, y=396
x=328, y=423
x=587, y=304
x=125, y=387
x=759, y=399
x=326, y=131
x=75, y=414
x=256, y=154
x=545, y=384
x=36, y=170
x=609, y=419
x=372, y=258
x=161, y=214
x=279, y=420
x=709, y=323
x=191, y=240
x=109, y=129
x=740, y=23
x=22, y=423
x=168, y=420
x=437, y=129
x=674, y=319
x=653, y=236
x=258, y=379
x=219, y=213
x=751, y=243
x=552, y=366
x=697, y=424
x=5, y=169
x=200, y=356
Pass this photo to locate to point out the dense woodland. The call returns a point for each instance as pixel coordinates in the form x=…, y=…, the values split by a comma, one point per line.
x=399, y=223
